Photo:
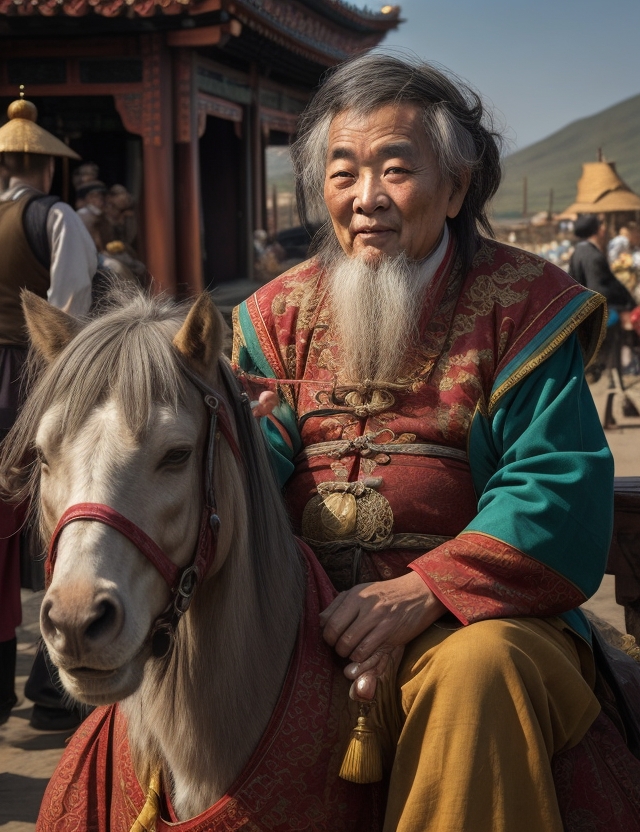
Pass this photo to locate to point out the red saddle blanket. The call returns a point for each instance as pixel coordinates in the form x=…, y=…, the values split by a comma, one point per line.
x=290, y=783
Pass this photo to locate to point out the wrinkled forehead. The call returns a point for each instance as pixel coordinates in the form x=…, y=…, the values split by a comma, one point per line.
x=390, y=130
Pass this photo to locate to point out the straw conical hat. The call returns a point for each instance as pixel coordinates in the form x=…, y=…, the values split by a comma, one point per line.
x=21, y=134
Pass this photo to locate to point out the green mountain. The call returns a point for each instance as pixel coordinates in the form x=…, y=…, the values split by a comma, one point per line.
x=556, y=162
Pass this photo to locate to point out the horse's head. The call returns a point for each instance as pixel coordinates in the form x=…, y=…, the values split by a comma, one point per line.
x=113, y=421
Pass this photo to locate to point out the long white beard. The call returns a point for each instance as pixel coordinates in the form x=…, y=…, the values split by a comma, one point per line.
x=376, y=310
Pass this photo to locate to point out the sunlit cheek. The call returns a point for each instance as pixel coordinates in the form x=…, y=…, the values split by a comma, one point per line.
x=51, y=499
x=177, y=514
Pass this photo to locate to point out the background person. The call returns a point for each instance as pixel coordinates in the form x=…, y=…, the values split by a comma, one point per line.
x=589, y=266
x=46, y=249
x=94, y=196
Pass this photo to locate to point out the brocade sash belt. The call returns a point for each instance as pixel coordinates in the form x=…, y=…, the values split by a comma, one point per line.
x=347, y=562
x=423, y=542
x=342, y=447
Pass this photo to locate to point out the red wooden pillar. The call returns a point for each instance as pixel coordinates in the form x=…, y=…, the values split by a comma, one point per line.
x=257, y=154
x=158, y=185
x=187, y=181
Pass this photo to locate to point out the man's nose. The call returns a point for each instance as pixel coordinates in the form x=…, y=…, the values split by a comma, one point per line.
x=370, y=196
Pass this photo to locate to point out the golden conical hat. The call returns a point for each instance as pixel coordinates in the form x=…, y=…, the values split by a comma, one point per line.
x=21, y=134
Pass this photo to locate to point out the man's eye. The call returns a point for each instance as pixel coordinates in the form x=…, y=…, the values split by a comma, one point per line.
x=175, y=457
x=340, y=174
x=397, y=169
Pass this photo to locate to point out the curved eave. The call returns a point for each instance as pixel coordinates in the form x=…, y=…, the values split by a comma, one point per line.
x=301, y=31
x=620, y=200
x=350, y=17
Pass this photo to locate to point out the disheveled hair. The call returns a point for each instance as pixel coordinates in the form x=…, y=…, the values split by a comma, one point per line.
x=456, y=122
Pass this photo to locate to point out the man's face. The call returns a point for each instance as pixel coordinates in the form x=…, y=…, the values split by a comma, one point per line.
x=602, y=233
x=96, y=198
x=382, y=185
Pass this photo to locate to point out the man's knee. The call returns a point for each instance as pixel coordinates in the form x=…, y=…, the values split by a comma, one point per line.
x=489, y=654
x=496, y=671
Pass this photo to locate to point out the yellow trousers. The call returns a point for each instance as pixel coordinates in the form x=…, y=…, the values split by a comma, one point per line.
x=482, y=709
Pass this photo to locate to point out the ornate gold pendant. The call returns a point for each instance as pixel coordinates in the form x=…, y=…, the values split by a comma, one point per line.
x=347, y=511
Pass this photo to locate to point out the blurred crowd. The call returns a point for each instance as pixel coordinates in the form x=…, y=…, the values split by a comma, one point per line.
x=622, y=253
x=109, y=214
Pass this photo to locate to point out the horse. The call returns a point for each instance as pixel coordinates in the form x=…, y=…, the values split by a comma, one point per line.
x=229, y=702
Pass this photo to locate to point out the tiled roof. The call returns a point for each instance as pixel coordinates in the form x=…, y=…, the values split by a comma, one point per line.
x=342, y=13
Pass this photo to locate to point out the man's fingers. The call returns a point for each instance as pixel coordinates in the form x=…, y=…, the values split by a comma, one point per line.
x=344, y=625
x=378, y=662
x=265, y=404
x=361, y=638
x=364, y=687
x=326, y=614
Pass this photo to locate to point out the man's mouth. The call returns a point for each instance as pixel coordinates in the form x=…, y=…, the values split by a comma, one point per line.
x=372, y=232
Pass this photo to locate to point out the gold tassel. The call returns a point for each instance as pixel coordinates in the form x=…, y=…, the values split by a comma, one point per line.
x=146, y=820
x=363, y=761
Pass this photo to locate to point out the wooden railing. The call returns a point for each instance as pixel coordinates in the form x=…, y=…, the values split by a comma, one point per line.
x=624, y=554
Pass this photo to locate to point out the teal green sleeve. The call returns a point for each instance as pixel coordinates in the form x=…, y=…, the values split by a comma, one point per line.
x=544, y=472
x=251, y=359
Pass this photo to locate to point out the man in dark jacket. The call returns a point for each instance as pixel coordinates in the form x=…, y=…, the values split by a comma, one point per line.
x=590, y=267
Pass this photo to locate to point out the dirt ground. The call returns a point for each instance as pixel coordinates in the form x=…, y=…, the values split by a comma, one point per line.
x=28, y=757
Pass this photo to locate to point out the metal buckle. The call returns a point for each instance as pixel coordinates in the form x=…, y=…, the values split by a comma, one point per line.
x=186, y=587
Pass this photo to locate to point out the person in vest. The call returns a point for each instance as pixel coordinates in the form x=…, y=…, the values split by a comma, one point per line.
x=46, y=249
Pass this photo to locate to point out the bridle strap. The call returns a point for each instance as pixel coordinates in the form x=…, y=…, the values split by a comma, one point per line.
x=218, y=406
x=110, y=517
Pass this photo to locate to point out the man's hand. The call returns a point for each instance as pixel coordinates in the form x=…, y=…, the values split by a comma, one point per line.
x=265, y=404
x=371, y=623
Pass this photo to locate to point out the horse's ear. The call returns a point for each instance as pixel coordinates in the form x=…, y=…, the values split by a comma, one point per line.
x=200, y=338
x=50, y=329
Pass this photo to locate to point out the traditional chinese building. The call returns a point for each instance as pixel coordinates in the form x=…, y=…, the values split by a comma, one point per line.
x=178, y=99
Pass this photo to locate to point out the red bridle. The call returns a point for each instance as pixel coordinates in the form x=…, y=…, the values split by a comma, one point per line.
x=182, y=581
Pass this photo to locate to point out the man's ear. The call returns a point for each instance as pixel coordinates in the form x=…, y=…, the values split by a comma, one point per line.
x=457, y=197
x=50, y=329
x=200, y=338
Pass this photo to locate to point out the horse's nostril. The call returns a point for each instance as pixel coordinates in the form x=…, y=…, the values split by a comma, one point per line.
x=106, y=620
x=46, y=624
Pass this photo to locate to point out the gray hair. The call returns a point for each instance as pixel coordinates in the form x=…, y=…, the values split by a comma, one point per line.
x=455, y=121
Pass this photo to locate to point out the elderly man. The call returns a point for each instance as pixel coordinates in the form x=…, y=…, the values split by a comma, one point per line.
x=439, y=448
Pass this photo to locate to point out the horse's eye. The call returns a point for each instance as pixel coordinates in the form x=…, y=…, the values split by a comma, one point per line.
x=41, y=457
x=176, y=456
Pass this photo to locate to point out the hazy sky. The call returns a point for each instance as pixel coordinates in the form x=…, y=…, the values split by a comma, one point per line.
x=540, y=64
